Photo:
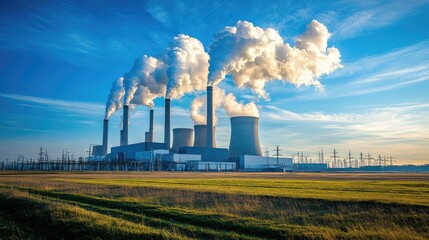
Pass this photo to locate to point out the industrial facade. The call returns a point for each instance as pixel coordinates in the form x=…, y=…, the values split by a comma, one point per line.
x=195, y=149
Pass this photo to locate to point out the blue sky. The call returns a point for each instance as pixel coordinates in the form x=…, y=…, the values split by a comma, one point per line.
x=58, y=60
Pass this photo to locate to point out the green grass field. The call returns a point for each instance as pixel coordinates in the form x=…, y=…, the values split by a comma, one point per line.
x=213, y=206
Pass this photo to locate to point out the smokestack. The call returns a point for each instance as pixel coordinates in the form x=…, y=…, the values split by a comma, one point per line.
x=182, y=137
x=200, y=136
x=147, y=136
x=105, y=135
x=210, y=136
x=121, y=137
x=125, y=126
x=151, y=126
x=244, y=137
x=167, y=124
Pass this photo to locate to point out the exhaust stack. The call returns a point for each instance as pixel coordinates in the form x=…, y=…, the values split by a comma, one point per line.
x=167, y=124
x=125, y=127
x=210, y=127
x=105, y=135
x=151, y=126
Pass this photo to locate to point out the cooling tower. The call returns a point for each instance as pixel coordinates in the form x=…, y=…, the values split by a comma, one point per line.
x=244, y=137
x=200, y=136
x=210, y=140
x=105, y=135
x=182, y=137
x=125, y=126
x=167, y=124
x=151, y=126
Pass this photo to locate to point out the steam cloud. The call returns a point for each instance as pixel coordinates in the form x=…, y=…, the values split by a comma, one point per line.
x=188, y=66
x=116, y=97
x=254, y=56
x=181, y=69
x=199, y=105
x=232, y=107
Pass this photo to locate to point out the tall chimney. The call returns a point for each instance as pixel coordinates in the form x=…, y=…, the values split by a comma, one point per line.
x=210, y=125
x=121, y=137
x=105, y=135
x=167, y=124
x=151, y=126
x=125, y=126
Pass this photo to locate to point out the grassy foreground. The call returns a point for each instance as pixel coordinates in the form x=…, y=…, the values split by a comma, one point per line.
x=211, y=206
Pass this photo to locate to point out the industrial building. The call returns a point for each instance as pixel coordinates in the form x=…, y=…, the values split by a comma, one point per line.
x=194, y=149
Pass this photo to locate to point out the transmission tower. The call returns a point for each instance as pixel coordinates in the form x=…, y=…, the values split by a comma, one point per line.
x=335, y=156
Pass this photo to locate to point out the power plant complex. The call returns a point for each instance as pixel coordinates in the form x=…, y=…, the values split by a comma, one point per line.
x=193, y=149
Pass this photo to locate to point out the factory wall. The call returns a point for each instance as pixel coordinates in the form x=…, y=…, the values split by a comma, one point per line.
x=150, y=155
x=129, y=151
x=181, y=158
x=98, y=150
x=211, y=166
x=260, y=163
x=207, y=154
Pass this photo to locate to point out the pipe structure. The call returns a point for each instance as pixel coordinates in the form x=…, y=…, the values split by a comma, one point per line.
x=151, y=126
x=105, y=135
x=210, y=136
x=167, y=124
x=125, y=126
x=244, y=137
x=182, y=137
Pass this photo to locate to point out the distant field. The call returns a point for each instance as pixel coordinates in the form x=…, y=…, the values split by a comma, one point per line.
x=213, y=206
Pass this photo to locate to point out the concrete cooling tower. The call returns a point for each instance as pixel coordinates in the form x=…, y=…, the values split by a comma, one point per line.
x=244, y=137
x=200, y=136
x=182, y=137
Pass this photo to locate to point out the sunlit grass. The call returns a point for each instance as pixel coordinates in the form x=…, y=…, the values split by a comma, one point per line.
x=408, y=192
x=134, y=206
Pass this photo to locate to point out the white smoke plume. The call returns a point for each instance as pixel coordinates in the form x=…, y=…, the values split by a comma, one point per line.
x=147, y=79
x=234, y=108
x=188, y=66
x=254, y=56
x=199, y=106
x=116, y=97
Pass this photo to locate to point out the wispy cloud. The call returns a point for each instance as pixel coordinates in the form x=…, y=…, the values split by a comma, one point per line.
x=373, y=74
x=389, y=130
x=68, y=106
x=372, y=15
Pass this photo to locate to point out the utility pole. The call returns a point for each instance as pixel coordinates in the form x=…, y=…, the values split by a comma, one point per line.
x=350, y=159
x=335, y=156
x=277, y=155
x=362, y=163
x=323, y=158
x=369, y=157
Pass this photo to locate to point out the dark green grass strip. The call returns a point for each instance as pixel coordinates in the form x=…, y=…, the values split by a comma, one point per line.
x=246, y=226
x=184, y=228
x=52, y=220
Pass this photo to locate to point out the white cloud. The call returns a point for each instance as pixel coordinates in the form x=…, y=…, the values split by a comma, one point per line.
x=69, y=106
x=390, y=130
